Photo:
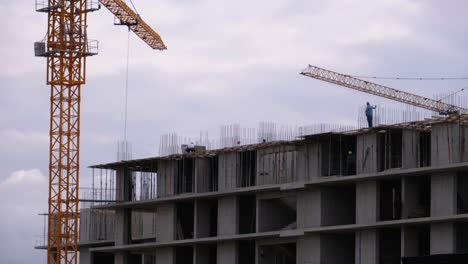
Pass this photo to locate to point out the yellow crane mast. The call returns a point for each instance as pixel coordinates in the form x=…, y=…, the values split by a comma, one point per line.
x=66, y=48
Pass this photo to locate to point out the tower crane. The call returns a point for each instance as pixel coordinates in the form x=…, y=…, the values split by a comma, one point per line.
x=66, y=48
x=382, y=91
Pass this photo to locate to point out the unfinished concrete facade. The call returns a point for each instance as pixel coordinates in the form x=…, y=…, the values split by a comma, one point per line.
x=364, y=197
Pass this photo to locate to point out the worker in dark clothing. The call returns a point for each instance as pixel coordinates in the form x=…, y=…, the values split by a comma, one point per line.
x=370, y=113
x=350, y=163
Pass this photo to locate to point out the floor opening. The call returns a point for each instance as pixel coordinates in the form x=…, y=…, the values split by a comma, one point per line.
x=213, y=170
x=102, y=257
x=462, y=237
x=206, y=254
x=425, y=149
x=462, y=194
x=248, y=168
x=185, y=220
x=278, y=254
x=246, y=251
x=247, y=214
x=183, y=255
x=417, y=197
x=207, y=218
x=390, y=200
x=338, y=248
x=338, y=155
x=389, y=245
x=338, y=205
x=184, y=176
x=417, y=241
x=277, y=213
x=389, y=147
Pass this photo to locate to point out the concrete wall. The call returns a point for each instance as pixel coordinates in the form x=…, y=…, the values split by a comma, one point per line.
x=410, y=149
x=308, y=166
x=166, y=178
x=309, y=204
x=366, y=151
x=308, y=250
x=165, y=222
x=228, y=170
x=367, y=202
x=367, y=246
x=276, y=165
x=85, y=256
x=338, y=205
x=227, y=252
x=446, y=144
x=228, y=216
x=96, y=225
x=443, y=203
x=143, y=225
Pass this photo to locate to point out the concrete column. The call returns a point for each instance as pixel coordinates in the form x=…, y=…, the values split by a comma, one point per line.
x=445, y=144
x=367, y=212
x=123, y=185
x=409, y=242
x=227, y=252
x=410, y=149
x=367, y=202
x=366, y=153
x=308, y=162
x=227, y=216
x=86, y=257
x=443, y=194
x=122, y=226
x=165, y=255
x=443, y=239
x=367, y=246
x=309, y=208
x=443, y=203
x=165, y=222
x=308, y=249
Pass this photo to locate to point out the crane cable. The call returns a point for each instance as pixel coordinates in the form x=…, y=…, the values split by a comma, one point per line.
x=126, y=87
x=453, y=93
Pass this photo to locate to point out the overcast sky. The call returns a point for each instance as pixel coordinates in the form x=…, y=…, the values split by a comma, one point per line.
x=227, y=62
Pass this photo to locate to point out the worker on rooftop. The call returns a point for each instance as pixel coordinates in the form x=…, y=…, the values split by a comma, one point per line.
x=370, y=113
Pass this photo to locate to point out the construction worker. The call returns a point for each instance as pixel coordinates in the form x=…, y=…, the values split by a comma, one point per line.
x=370, y=113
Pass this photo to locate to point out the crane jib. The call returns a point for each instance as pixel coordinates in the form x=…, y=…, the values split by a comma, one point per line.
x=381, y=90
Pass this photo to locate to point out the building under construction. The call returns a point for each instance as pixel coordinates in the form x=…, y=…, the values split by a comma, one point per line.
x=366, y=196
